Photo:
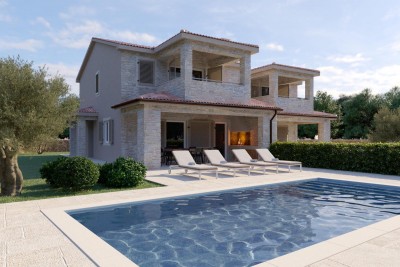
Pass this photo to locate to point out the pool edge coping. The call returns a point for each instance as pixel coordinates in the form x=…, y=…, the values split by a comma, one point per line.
x=94, y=247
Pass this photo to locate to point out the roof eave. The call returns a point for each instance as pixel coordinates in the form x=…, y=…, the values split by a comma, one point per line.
x=138, y=100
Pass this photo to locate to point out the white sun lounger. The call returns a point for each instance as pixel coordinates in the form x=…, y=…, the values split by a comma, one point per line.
x=267, y=156
x=186, y=162
x=244, y=158
x=216, y=159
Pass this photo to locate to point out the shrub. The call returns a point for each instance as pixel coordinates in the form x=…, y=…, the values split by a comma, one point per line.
x=383, y=158
x=75, y=173
x=105, y=171
x=48, y=171
x=124, y=172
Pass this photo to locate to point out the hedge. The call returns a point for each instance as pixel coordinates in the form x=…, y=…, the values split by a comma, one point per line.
x=71, y=173
x=123, y=172
x=383, y=158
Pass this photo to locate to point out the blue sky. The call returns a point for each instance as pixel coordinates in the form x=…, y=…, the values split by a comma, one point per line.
x=355, y=44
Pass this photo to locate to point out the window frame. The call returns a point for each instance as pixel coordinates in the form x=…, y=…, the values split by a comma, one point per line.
x=154, y=72
x=107, y=131
x=97, y=82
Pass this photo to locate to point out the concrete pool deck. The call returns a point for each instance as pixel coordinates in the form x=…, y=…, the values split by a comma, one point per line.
x=29, y=238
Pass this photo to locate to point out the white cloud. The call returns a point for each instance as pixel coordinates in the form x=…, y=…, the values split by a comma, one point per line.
x=134, y=37
x=31, y=45
x=274, y=47
x=69, y=72
x=395, y=46
x=42, y=21
x=78, y=35
x=77, y=12
x=338, y=81
x=357, y=58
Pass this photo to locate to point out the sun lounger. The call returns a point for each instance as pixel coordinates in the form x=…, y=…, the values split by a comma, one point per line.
x=267, y=156
x=216, y=159
x=186, y=162
x=244, y=158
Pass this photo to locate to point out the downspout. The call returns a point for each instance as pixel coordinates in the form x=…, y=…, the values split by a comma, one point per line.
x=270, y=127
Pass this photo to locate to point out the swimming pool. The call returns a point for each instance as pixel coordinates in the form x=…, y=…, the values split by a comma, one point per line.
x=240, y=227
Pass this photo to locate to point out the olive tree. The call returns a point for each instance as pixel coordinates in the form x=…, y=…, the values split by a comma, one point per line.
x=386, y=126
x=34, y=107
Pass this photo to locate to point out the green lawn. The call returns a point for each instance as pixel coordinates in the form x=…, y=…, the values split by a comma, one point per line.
x=35, y=187
x=38, y=189
x=30, y=164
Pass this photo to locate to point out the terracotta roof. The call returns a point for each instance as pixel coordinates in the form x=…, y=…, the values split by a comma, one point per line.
x=124, y=43
x=309, y=114
x=168, y=98
x=182, y=31
x=87, y=110
x=272, y=65
x=216, y=38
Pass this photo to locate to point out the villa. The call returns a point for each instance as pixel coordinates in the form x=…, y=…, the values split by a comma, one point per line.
x=190, y=91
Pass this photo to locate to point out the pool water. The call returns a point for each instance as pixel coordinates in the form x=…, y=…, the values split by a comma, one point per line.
x=240, y=227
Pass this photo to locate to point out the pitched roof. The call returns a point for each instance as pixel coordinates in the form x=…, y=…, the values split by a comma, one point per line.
x=183, y=34
x=163, y=97
x=309, y=114
x=87, y=110
x=287, y=67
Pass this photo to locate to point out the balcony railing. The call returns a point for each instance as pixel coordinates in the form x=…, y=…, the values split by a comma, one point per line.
x=213, y=81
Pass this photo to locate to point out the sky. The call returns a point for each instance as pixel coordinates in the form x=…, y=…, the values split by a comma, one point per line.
x=354, y=44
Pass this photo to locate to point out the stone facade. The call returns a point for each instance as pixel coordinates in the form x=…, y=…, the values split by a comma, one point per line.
x=141, y=125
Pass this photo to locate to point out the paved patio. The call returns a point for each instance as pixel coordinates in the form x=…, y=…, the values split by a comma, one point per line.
x=29, y=238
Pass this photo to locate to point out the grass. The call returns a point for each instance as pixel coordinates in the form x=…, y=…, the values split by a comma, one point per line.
x=34, y=189
x=30, y=164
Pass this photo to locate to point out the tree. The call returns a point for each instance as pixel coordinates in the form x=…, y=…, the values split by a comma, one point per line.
x=358, y=114
x=326, y=103
x=392, y=98
x=386, y=126
x=33, y=107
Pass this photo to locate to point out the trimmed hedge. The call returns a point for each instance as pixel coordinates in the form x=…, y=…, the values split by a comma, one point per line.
x=383, y=158
x=73, y=174
x=48, y=171
x=123, y=172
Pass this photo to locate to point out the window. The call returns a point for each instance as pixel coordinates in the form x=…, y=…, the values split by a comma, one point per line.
x=264, y=90
x=174, y=73
x=106, y=132
x=97, y=82
x=197, y=74
x=146, y=72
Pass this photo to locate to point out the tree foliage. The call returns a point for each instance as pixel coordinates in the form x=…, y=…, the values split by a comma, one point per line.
x=33, y=108
x=358, y=114
x=386, y=126
x=391, y=99
x=326, y=103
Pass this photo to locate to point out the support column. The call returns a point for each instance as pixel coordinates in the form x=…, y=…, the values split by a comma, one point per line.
x=309, y=90
x=245, y=73
x=72, y=140
x=186, y=62
x=324, y=131
x=292, y=132
x=149, y=137
x=273, y=85
x=263, y=132
x=128, y=134
x=81, y=134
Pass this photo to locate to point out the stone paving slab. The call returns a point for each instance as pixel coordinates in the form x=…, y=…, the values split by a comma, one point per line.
x=28, y=238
